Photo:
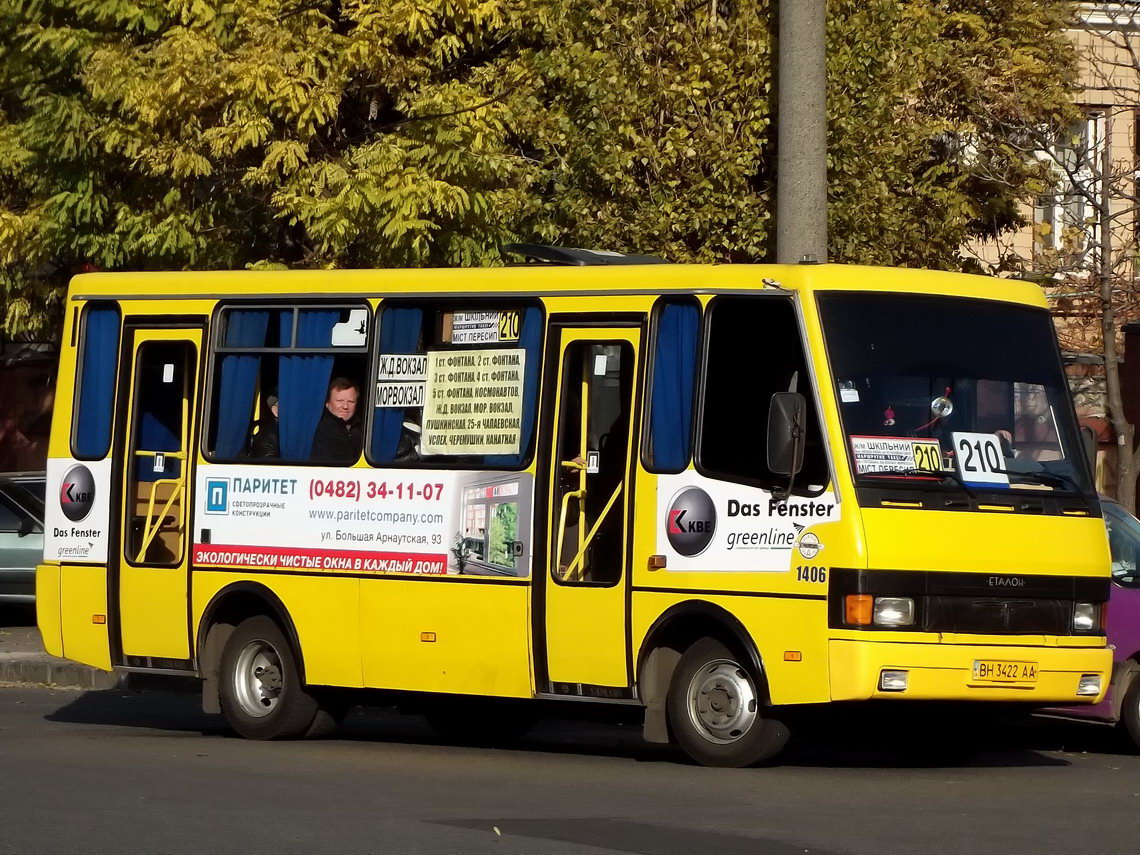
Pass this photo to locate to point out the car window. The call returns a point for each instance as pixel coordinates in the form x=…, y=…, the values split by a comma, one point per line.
x=9, y=519
x=1124, y=543
x=35, y=488
x=27, y=495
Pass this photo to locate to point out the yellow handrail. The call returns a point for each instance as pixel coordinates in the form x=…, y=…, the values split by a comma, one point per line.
x=152, y=527
x=569, y=575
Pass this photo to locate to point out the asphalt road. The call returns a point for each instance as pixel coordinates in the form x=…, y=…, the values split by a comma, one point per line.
x=148, y=772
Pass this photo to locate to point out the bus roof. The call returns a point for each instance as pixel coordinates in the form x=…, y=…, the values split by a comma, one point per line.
x=548, y=279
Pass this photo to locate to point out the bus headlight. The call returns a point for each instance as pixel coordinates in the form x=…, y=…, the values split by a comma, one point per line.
x=893, y=611
x=1086, y=617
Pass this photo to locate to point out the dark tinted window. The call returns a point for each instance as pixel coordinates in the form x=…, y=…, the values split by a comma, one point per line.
x=922, y=368
x=10, y=519
x=753, y=351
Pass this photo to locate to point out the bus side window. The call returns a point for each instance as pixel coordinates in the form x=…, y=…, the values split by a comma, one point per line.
x=753, y=351
x=668, y=437
x=401, y=423
x=272, y=369
x=95, y=391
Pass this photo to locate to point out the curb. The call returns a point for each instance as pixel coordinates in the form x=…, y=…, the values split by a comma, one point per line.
x=41, y=669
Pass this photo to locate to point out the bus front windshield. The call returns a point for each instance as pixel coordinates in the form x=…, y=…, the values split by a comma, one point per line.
x=970, y=391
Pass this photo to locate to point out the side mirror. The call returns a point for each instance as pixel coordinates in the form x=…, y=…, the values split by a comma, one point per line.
x=27, y=526
x=1088, y=439
x=787, y=416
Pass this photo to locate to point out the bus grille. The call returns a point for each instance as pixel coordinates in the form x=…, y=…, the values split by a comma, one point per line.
x=996, y=616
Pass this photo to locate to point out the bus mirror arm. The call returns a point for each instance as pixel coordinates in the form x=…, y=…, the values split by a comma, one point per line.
x=787, y=416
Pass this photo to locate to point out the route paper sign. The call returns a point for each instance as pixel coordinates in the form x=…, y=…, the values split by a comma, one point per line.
x=895, y=454
x=474, y=401
x=482, y=327
x=401, y=380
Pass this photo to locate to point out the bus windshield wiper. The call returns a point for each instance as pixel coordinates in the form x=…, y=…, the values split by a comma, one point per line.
x=940, y=474
x=1055, y=479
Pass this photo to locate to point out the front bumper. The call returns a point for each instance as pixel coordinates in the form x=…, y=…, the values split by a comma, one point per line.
x=945, y=671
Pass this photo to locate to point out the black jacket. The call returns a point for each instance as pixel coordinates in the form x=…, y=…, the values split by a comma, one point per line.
x=266, y=442
x=336, y=441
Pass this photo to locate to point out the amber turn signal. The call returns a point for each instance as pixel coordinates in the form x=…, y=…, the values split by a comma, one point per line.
x=858, y=609
x=99, y=619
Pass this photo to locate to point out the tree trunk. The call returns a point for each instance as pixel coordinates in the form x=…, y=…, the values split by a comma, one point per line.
x=1125, y=463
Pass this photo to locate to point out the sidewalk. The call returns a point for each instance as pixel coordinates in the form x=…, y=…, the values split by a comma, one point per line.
x=24, y=660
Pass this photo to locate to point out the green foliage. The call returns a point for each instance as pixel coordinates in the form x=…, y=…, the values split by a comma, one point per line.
x=170, y=134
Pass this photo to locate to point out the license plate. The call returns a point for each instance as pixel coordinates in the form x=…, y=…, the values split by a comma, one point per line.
x=1001, y=671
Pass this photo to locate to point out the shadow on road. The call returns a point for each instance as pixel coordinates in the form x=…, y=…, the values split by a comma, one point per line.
x=825, y=742
x=17, y=615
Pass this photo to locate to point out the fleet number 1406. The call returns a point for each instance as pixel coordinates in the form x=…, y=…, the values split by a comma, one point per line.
x=811, y=573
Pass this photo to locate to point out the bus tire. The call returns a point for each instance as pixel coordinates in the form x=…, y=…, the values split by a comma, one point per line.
x=260, y=685
x=1130, y=714
x=716, y=711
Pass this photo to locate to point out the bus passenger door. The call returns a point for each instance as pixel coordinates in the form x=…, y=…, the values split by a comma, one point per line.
x=590, y=501
x=155, y=508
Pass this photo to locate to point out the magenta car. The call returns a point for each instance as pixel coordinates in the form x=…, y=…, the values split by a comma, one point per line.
x=1121, y=705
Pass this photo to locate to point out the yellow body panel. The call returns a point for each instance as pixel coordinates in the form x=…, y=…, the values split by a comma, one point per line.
x=903, y=539
x=586, y=636
x=323, y=611
x=47, y=608
x=481, y=632
x=776, y=626
x=83, y=594
x=944, y=671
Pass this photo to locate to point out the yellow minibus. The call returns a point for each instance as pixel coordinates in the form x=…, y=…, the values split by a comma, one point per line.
x=712, y=493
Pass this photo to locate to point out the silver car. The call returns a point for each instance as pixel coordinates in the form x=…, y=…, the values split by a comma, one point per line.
x=21, y=535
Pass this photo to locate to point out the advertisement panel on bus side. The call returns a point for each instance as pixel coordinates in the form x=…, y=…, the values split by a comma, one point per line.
x=363, y=521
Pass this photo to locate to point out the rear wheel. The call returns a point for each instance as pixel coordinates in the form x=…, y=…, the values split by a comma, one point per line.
x=716, y=710
x=261, y=692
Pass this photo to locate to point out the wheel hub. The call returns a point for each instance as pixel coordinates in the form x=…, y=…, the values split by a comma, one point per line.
x=257, y=679
x=722, y=702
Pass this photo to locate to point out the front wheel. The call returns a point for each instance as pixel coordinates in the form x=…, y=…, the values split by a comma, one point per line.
x=260, y=685
x=716, y=710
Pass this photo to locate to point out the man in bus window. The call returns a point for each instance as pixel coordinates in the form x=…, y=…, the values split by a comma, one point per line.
x=338, y=436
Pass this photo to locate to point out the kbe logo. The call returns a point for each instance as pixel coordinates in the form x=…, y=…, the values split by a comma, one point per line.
x=692, y=521
x=77, y=492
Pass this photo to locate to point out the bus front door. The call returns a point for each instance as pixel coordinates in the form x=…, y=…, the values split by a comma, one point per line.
x=590, y=502
x=154, y=556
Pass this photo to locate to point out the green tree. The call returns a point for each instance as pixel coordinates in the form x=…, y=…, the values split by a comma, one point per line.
x=142, y=134
x=652, y=121
x=167, y=134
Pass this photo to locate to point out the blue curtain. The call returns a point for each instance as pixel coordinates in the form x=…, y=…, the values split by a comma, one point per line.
x=674, y=370
x=530, y=340
x=399, y=333
x=237, y=385
x=156, y=434
x=303, y=381
x=97, y=378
